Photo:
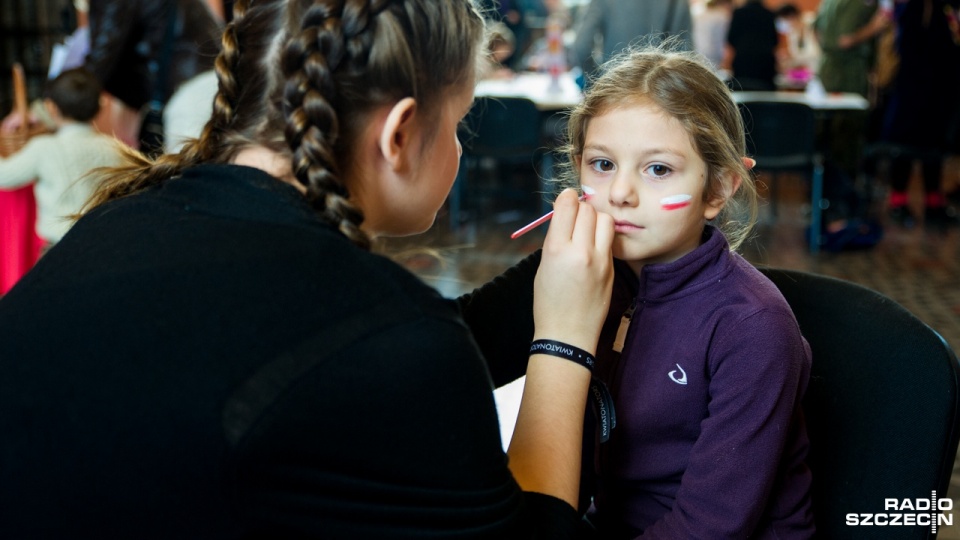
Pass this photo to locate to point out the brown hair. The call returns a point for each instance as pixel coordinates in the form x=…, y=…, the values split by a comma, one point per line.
x=76, y=93
x=682, y=84
x=300, y=77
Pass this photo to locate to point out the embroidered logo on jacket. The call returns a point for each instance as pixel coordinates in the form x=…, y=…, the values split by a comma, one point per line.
x=679, y=380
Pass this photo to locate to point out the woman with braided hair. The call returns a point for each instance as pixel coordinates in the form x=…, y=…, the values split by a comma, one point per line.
x=215, y=351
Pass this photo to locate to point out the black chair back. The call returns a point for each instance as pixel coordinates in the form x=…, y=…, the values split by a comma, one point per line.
x=508, y=130
x=502, y=128
x=781, y=136
x=881, y=408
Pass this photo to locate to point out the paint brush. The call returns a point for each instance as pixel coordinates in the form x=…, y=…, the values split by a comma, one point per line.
x=587, y=192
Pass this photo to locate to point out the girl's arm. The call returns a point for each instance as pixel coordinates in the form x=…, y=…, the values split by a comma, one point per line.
x=21, y=168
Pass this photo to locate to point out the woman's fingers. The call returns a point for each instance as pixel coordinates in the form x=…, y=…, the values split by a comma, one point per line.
x=572, y=287
x=565, y=210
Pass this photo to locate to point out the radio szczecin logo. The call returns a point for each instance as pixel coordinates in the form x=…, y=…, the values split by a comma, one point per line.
x=932, y=512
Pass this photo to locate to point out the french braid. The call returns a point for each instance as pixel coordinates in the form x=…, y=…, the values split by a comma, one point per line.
x=309, y=63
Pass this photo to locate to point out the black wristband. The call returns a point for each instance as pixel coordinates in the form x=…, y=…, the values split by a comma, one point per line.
x=562, y=350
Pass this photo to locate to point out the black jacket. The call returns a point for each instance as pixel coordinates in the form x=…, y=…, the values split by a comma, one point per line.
x=127, y=42
x=207, y=359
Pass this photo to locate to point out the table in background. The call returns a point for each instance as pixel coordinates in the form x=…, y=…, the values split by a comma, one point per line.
x=833, y=101
x=540, y=88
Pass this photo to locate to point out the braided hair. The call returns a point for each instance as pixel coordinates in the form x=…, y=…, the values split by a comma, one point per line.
x=302, y=77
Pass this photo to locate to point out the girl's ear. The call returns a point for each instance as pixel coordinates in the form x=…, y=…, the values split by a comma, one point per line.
x=396, y=136
x=731, y=183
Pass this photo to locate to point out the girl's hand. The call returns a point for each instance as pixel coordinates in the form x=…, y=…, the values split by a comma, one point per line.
x=573, y=285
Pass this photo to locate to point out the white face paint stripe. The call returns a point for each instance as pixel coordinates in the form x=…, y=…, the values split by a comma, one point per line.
x=675, y=201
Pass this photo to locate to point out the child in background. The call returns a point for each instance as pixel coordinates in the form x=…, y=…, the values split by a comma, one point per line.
x=58, y=164
x=702, y=355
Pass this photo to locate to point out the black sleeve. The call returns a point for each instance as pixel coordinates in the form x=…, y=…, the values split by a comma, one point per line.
x=500, y=315
x=393, y=434
x=111, y=24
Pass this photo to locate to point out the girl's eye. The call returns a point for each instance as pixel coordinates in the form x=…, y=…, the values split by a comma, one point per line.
x=658, y=170
x=602, y=165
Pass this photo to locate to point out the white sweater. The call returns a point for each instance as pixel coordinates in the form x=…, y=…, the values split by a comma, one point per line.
x=56, y=165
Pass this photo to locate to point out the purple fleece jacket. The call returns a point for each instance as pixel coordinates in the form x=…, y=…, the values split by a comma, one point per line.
x=710, y=440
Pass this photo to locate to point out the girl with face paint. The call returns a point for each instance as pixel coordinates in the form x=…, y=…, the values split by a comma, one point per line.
x=701, y=354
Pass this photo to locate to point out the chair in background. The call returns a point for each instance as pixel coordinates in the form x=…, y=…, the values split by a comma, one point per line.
x=506, y=130
x=881, y=408
x=781, y=136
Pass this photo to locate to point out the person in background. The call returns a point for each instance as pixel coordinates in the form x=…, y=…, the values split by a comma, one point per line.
x=846, y=31
x=510, y=13
x=751, y=47
x=797, y=51
x=221, y=353
x=710, y=27
x=187, y=110
x=131, y=41
x=617, y=24
x=58, y=164
x=501, y=44
x=701, y=353
x=921, y=104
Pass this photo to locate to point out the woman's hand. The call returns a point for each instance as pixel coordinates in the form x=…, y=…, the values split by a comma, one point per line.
x=573, y=285
x=571, y=297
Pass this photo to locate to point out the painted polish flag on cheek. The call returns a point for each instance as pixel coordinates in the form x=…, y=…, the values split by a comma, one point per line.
x=675, y=202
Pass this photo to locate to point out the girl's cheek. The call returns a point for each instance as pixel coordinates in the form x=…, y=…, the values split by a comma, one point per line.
x=676, y=202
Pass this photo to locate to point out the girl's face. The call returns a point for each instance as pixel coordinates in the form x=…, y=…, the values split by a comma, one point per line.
x=649, y=177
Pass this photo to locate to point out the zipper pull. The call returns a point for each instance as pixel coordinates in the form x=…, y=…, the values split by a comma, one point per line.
x=624, y=326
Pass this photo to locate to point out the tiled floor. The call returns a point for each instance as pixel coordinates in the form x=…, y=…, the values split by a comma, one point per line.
x=918, y=268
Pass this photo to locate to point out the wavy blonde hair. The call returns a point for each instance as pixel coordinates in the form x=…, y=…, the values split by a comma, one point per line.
x=682, y=84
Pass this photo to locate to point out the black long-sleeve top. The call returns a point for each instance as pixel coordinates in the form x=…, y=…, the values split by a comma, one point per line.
x=208, y=359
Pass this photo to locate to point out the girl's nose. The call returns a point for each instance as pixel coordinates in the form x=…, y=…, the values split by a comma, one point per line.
x=622, y=192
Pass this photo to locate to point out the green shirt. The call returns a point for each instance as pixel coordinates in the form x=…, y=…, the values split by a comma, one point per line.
x=844, y=70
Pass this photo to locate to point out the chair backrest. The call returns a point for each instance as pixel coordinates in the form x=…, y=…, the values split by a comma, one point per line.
x=503, y=127
x=780, y=135
x=881, y=407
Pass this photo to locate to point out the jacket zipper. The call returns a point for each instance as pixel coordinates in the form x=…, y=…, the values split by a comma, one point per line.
x=624, y=327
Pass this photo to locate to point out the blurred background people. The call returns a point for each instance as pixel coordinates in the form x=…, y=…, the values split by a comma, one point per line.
x=608, y=26
x=510, y=13
x=922, y=105
x=56, y=164
x=846, y=31
x=751, y=47
x=142, y=50
x=710, y=25
x=797, y=50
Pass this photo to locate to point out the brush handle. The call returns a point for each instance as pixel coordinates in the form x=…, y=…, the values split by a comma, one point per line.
x=545, y=218
x=532, y=225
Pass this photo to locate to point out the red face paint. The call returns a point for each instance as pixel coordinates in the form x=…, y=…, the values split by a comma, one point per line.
x=675, y=202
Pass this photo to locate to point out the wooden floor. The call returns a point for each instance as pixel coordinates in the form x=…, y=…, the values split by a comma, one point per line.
x=917, y=267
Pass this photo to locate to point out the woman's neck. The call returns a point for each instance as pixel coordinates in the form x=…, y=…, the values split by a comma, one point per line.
x=270, y=162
